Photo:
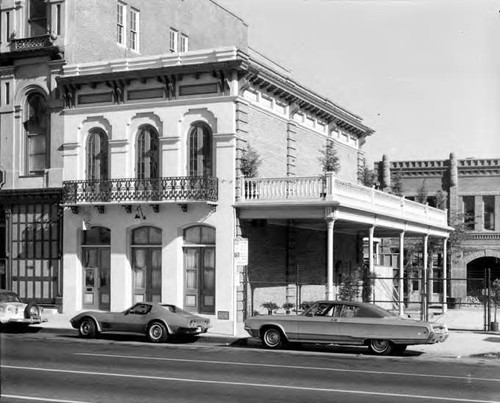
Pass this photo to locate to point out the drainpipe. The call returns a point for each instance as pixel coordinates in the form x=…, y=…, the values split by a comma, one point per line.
x=445, y=275
x=330, y=221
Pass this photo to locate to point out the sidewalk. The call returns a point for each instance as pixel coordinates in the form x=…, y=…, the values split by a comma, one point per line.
x=460, y=344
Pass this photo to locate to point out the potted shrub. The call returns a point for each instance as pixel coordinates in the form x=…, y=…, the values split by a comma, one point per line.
x=270, y=306
x=287, y=306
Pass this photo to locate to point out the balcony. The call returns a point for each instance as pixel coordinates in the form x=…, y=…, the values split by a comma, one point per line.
x=180, y=189
x=317, y=190
x=32, y=43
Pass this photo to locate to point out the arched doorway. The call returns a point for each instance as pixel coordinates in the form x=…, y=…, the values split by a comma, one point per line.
x=476, y=269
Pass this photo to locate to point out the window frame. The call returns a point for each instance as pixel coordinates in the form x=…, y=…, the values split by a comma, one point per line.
x=134, y=29
x=184, y=42
x=29, y=137
x=174, y=40
x=92, y=156
x=200, y=137
x=121, y=23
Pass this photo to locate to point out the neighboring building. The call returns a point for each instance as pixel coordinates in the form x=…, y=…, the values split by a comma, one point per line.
x=148, y=147
x=471, y=189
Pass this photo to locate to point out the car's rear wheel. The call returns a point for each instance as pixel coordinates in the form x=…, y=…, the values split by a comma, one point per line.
x=381, y=347
x=87, y=328
x=273, y=338
x=157, y=332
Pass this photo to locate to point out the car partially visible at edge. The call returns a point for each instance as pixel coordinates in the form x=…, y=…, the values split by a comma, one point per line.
x=13, y=311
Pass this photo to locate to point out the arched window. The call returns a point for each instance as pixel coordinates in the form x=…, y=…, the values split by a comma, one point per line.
x=148, y=153
x=97, y=155
x=200, y=150
x=36, y=125
x=199, y=269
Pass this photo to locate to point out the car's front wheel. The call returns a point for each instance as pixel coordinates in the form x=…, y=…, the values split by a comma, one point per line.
x=157, y=332
x=381, y=347
x=273, y=338
x=87, y=328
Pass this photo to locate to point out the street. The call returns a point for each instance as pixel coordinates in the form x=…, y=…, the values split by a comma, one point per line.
x=65, y=368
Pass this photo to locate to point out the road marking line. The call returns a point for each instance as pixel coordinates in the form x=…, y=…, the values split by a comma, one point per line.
x=41, y=399
x=258, y=385
x=249, y=364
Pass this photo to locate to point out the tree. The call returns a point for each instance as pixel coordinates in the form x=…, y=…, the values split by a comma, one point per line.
x=249, y=163
x=441, y=199
x=397, y=184
x=329, y=159
x=422, y=193
x=367, y=177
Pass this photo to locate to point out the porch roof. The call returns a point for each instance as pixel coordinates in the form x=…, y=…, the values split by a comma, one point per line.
x=309, y=201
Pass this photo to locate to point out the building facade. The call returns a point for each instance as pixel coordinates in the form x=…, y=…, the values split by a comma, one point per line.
x=150, y=125
x=469, y=189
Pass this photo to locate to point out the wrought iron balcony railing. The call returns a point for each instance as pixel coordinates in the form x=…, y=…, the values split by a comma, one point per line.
x=174, y=189
x=32, y=43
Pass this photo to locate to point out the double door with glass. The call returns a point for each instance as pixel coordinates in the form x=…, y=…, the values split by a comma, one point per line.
x=96, y=278
x=199, y=269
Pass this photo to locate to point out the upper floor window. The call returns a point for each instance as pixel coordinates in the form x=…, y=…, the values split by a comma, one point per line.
x=489, y=212
x=174, y=37
x=200, y=150
x=469, y=212
x=134, y=29
x=147, y=153
x=184, y=43
x=97, y=155
x=37, y=17
x=36, y=125
x=120, y=23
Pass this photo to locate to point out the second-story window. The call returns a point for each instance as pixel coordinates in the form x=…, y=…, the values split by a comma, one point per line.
x=147, y=153
x=489, y=212
x=97, y=155
x=174, y=37
x=36, y=126
x=184, y=43
x=134, y=30
x=37, y=20
x=120, y=23
x=469, y=212
x=200, y=150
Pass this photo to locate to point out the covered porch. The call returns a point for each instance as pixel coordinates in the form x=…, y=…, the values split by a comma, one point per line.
x=338, y=215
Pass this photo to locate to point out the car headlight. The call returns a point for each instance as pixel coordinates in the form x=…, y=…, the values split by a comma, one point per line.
x=193, y=323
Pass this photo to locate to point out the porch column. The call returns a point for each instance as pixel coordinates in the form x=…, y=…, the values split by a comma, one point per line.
x=329, y=266
x=423, y=314
x=445, y=275
x=401, y=272
x=371, y=264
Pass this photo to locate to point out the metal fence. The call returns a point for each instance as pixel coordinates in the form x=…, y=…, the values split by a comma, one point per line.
x=470, y=304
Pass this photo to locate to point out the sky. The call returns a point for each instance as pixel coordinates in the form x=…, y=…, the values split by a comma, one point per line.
x=424, y=74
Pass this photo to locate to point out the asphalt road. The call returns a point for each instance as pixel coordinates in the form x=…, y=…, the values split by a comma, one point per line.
x=57, y=368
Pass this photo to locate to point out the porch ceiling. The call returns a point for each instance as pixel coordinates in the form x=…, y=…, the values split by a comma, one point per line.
x=347, y=220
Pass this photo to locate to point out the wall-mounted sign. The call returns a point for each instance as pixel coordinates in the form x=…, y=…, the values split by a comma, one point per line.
x=241, y=251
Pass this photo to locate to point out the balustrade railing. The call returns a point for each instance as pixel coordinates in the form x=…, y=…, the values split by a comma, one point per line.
x=331, y=188
x=179, y=188
x=32, y=43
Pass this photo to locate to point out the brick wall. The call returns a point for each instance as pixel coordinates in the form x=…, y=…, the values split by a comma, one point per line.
x=268, y=136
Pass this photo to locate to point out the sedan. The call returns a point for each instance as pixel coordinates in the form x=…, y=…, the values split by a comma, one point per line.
x=14, y=311
x=349, y=323
x=156, y=321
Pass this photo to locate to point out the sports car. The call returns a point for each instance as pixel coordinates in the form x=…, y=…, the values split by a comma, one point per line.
x=350, y=323
x=15, y=311
x=156, y=321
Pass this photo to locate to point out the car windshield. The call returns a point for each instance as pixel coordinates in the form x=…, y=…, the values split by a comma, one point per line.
x=174, y=309
x=9, y=297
